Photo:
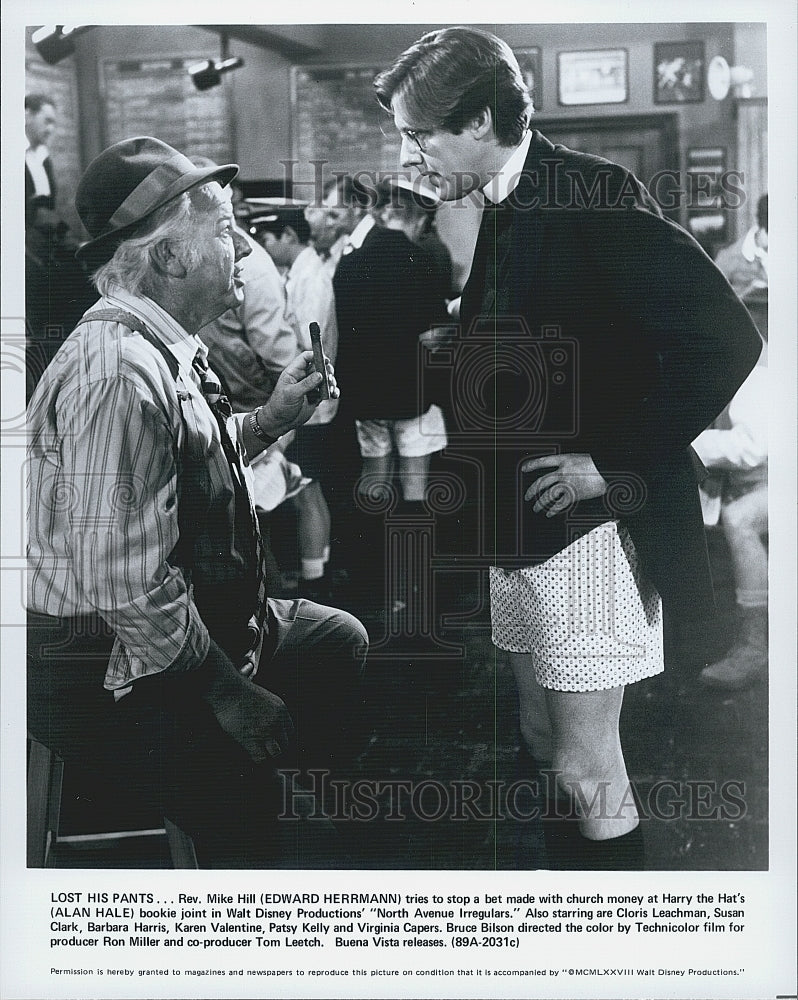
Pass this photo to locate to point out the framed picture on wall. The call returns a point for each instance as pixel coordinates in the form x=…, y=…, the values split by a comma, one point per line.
x=678, y=72
x=599, y=76
x=529, y=62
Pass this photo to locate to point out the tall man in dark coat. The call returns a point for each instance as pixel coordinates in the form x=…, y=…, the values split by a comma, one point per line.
x=597, y=340
x=57, y=290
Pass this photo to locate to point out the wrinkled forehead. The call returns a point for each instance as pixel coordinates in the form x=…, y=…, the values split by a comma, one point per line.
x=213, y=199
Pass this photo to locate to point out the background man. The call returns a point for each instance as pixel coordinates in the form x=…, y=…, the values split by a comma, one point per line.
x=651, y=343
x=745, y=263
x=152, y=646
x=308, y=299
x=342, y=221
x=56, y=289
x=253, y=342
x=388, y=292
x=735, y=450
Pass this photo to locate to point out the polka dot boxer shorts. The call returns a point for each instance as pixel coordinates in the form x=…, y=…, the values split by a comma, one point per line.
x=587, y=616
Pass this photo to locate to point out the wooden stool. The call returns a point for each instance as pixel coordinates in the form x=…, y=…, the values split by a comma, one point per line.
x=45, y=781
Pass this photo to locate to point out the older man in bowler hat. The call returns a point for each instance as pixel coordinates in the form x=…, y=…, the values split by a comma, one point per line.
x=152, y=646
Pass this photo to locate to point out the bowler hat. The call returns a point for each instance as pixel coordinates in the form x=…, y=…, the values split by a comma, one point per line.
x=129, y=181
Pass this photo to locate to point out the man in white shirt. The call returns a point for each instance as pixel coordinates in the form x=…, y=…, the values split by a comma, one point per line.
x=745, y=263
x=735, y=450
x=285, y=233
x=40, y=121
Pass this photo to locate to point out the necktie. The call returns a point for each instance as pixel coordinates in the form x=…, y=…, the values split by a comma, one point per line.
x=247, y=530
x=220, y=407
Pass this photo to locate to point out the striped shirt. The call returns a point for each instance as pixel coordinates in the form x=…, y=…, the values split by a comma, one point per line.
x=104, y=429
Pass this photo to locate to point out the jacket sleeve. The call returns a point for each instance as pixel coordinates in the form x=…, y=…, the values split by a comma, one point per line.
x=700, y=336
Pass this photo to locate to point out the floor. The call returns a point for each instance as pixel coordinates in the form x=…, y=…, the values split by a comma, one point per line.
x=443, y=720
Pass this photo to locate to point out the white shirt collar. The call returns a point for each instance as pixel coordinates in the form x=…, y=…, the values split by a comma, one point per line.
x=181, y=344
x=750, y=249
x=505, y=181
x=360, y=232
x=38, y=153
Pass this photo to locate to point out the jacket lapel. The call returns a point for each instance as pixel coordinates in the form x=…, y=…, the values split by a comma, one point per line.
x=505, y=288
x=517, y=267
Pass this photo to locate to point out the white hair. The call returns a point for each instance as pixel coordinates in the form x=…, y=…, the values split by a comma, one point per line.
x=130, y=266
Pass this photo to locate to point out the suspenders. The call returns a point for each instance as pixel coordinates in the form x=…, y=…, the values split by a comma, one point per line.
x=226, y=593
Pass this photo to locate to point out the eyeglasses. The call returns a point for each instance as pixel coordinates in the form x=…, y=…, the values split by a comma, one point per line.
x=413, y=136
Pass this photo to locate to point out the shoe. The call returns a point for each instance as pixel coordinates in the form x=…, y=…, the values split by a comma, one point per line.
x=747, y=662
x=741, y=669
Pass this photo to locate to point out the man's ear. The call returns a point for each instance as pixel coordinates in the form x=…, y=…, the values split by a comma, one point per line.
x=482, y=125
x=167, y=260
x=289, y=236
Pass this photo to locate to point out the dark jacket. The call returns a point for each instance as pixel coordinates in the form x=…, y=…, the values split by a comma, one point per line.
x=605, y=329
x=387, y=292
x=32, y=201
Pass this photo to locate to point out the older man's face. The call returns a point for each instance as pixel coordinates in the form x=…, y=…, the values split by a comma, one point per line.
x=215, y=278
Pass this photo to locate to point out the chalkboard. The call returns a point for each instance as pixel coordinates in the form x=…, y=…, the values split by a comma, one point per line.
x=154, y=95
x=335, y=119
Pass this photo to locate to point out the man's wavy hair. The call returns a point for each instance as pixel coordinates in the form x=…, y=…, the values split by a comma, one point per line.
x=449, y=76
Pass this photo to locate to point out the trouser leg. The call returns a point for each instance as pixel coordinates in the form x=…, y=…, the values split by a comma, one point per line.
x=316, y=662
x=160, y=744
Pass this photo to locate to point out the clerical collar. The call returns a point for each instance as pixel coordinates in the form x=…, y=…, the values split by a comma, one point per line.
x=503, y=183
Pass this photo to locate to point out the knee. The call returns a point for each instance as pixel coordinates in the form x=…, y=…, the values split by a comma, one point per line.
x=354, y=634
x=348, y=638
x=582, y=767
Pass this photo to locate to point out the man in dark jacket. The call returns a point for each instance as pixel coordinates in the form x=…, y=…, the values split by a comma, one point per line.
x=56, y=288
x=597, y=340
x=388, y=293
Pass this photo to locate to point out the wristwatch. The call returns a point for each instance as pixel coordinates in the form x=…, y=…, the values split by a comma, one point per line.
x=257, y=430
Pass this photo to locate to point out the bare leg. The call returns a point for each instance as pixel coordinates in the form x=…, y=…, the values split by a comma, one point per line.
x=375, y=471
x=588, y=760
x=413, y=474
x=314, y=521
x=745, y=521
x=533, y=711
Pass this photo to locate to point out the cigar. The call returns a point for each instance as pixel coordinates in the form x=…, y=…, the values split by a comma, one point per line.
x=318, y=360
